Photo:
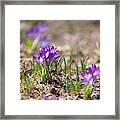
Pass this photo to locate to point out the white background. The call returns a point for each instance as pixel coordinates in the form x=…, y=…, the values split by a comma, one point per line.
x=15, y=13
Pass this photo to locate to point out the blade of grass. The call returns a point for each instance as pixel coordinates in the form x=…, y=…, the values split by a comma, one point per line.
x=77, y=70
x=65, y=66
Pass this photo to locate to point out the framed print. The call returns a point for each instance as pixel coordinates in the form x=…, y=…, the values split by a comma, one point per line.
x=60, y=59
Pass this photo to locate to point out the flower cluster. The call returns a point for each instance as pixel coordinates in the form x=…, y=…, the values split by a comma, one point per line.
x=90, y=75
x=47, y=54
x=37, y=30
x=37, y=33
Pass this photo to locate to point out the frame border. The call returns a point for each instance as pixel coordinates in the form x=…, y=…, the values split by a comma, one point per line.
x=54, y=2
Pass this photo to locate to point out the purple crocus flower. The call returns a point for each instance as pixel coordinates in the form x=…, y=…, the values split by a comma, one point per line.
x=54, y=54
x=37, y=33
x=90, y=75
x=44, y=42
x=50, y=97
x=37, y=30
x=47, y=54
x=94, y=70
x=87, y=78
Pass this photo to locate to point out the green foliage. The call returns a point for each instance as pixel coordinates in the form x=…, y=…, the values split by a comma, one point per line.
x=53, y=66
x=66, y=84
x=84, y=64
x=87, y=91
x=59, y=65
x=77, y=87
x=39, y=71
x=65, y=66
x=26, y=83
x=72, y=87
x=22, y=77
x=97, y=51
x=44, y=72
x=29, y=42
x=77, y=70
x=69, y=65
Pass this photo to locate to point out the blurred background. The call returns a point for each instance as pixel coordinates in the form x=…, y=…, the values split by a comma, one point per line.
x=76, y=37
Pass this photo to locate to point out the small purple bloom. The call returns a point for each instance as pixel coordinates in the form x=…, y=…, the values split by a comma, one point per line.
x=46, y=97
x=44, y=41
x=42, y=27
x=50, y=97
x=90, y=75
x=53, y=97
x=37, y=30
x=47, y=54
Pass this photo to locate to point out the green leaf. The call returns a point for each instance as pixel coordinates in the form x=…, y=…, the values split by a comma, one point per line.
x=32, y=83
x=68, y=65
x=83, y=65
x=97, y=51
x=22, y=80
x=27, y=84
x=72, y=87
x=66, y=84
x=29, y=42
x=87, y=91
x=59, y=65
x=65, y=66
x=53, y=66
x=39, y=69
x=44, y=73
x=77, y=87
x=77, y=70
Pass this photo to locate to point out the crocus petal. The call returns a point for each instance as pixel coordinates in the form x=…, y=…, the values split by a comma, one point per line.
x=84, y=81
x=91, y=81
x=41, y=60
x=96, y=73
x=36, y=57
x=47, y=54
x=94, y=70
x=87, y=75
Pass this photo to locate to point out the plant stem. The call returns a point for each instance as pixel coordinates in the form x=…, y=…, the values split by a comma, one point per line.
x=65, y=66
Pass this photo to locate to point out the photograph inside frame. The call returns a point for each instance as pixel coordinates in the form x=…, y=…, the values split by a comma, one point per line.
x=60, y=59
